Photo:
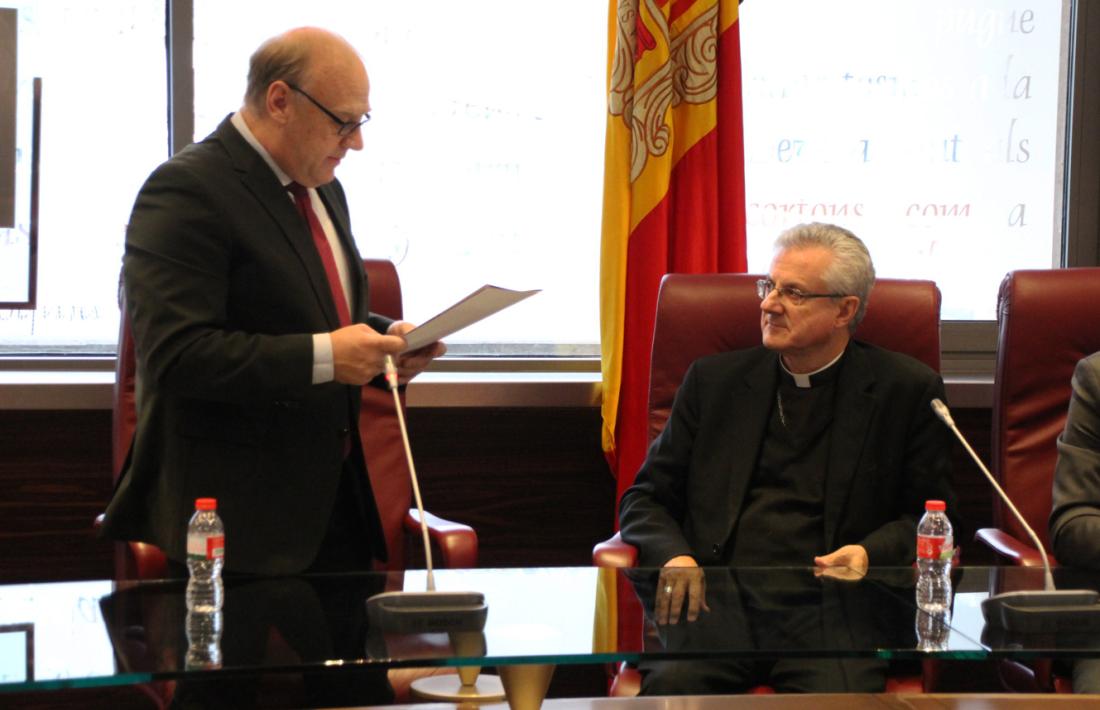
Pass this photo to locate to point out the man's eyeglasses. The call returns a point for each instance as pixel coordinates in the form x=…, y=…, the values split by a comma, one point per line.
x=791, y=295
x=346, y=128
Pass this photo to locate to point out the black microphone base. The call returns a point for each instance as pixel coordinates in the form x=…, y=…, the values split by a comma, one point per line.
x=427, y=612
x=1069, y=610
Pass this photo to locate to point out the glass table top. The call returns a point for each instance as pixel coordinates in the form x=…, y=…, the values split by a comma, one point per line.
x=110, y=633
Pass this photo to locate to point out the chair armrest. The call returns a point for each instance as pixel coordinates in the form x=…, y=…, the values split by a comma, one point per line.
x=456, y=542
x=613, y=552
x=1009, y=547
x=136, y=560
x=627, y=681
x=150, y=562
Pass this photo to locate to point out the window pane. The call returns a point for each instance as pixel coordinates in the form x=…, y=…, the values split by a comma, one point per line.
x=929, y=129
x=483, y=160
x=103, y=130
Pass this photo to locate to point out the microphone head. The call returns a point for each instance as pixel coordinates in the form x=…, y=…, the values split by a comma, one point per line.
x=942, y=412
x=391, y=372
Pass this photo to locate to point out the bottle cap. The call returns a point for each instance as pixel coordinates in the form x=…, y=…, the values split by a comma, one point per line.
x=206, y=504
x=935, y=505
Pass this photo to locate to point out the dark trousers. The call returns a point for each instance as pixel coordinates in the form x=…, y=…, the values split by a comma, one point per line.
x=794, y=675
x=767, y=614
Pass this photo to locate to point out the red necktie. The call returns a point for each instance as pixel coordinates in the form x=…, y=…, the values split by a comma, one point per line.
x=301, y=199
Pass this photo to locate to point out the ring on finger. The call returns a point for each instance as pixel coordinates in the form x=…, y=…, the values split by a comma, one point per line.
x=668, y=589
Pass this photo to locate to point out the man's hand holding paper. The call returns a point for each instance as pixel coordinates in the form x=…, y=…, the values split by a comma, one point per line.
x=358, y=351
x=411, y=363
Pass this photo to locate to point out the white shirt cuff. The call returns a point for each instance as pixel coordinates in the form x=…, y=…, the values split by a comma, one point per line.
x=323, y=368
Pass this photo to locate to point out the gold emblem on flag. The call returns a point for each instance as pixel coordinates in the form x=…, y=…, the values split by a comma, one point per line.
x=658, y=67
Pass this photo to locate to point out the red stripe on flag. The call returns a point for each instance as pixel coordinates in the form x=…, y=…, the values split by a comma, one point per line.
x=685, y=233
x=733, y=256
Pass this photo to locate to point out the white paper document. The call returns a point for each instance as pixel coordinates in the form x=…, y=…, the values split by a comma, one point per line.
x=480, y=304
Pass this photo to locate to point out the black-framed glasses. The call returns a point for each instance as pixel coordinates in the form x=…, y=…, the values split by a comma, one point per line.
x=791, y=295
x=346, y=128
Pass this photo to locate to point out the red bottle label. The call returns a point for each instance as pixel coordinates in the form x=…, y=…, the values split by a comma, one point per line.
x=931, y=547
x=215, y=547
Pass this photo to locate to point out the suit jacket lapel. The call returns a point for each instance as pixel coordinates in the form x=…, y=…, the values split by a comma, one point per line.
x=855, y=406
x=261, y=182
x=749, y=411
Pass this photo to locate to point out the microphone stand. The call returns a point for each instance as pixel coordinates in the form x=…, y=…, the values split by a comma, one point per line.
x=391, y=381
x=431, y=610
x=1031, y=611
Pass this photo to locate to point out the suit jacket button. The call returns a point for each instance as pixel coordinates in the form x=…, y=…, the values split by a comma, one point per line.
x=715, y=549
x=343, y=432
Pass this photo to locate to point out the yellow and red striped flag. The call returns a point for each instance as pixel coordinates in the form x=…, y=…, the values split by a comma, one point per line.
x=674, y=191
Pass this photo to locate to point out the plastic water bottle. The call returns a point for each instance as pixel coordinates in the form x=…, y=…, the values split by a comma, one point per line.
x=204, y=637
x=935, y=548
x=205, y=556
x=933, y=631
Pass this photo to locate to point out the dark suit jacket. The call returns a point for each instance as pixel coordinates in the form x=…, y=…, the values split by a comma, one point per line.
x=1075, y=517
x=888, y=454
x=225, y=289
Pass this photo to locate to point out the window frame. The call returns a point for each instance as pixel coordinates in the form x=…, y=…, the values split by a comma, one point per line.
x=968, y=347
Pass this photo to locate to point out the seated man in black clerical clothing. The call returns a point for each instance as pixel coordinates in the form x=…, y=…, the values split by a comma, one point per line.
x=812, y=449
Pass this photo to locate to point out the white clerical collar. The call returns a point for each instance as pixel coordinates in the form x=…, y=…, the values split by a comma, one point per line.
x=803, y=379
x=238, y=122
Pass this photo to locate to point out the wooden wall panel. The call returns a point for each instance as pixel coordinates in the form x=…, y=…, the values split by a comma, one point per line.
x=973, y=493
x=54, y=479
x=533, y=482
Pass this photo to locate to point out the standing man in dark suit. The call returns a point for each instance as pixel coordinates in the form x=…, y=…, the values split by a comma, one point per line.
x=253, y=330
x=811, y=449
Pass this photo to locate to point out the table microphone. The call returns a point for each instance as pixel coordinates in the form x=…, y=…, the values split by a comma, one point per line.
x=1030, y=611
x=430, y=611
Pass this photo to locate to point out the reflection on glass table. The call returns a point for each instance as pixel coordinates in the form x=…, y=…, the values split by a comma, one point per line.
x=796, y=612
x=975, y=584
x=114, y=633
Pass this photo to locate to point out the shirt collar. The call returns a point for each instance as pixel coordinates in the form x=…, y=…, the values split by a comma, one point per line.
x=239, y=123
x=804, y=380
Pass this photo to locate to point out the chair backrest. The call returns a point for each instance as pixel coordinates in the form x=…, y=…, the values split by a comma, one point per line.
x=1049, y=319
x=378, y=429
x=700, y=314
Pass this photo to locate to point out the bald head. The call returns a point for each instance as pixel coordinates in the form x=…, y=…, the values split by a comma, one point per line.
x=304, y=88
x=295, y=57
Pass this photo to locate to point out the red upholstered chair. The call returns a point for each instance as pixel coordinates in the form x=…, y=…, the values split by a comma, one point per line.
x=1049, y=319
x=700, y=314
x=133, y=560
x=456, y=544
